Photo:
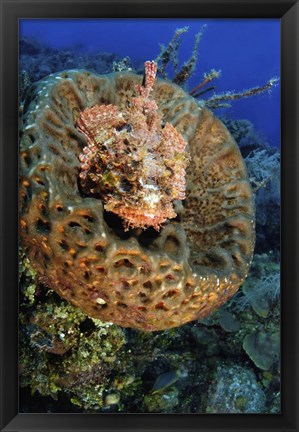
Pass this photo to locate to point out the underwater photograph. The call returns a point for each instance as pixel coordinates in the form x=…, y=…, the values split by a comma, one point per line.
x=149, y=216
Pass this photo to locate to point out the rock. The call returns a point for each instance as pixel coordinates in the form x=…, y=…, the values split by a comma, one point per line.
x=228, y=322
x=235, y=390
x=112, y=399
x=161, y=402
x=263, y=348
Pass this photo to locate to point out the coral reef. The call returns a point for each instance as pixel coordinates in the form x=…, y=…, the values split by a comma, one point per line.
x=267, y=201
x=207, y=77
x=86, y=365
x=247, y=138
x=222, y=100
x=24, y=84
x=263, y=165
x=61, y=350
x=227, y=361
x=40, y=60
x=162, y=402
x=122, y=65
x=86, y=374
x=263, y=349
x=169, y=55
x=235, y=390
x=147, y=281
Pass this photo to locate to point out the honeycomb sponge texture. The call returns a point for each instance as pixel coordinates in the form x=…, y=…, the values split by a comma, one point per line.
x=149, y=282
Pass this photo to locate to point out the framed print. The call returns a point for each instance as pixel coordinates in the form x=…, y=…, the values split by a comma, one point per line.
x=149, y=205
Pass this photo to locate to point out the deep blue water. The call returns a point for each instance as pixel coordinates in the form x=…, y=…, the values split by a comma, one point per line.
x=246, y=50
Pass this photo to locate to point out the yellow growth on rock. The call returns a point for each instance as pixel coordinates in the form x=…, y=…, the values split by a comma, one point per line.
x=139, y=278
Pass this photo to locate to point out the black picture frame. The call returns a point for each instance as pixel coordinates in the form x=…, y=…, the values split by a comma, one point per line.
x=11, y=12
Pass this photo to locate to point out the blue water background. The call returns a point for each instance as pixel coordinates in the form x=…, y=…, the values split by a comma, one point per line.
x=246, y=50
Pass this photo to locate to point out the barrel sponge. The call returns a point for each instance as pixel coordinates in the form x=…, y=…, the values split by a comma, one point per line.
x=142, y=279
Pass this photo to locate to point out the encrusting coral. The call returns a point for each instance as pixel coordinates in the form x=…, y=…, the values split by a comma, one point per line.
x=143, y=279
